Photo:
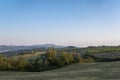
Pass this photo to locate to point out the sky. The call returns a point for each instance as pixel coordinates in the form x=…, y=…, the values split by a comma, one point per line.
x=61, y=22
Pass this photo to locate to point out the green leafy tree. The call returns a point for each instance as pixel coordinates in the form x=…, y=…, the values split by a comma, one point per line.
x=21, y=64
x=77, y=58
x=64, y=59
x=5, y=63
x=1, y=61
x=70, y=57
x=38, y=64
x=50, y=56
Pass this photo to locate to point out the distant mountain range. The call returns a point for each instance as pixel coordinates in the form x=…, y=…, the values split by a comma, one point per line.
x=6, y=48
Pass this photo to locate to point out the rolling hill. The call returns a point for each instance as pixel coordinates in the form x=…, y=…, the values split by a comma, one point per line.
x=6, y=48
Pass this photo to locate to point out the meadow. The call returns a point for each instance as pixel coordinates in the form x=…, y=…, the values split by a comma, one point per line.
x=79, y=71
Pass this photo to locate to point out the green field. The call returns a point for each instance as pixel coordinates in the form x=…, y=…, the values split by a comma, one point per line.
x=84, y=71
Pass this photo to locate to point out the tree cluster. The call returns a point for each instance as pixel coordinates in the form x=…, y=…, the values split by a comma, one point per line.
x=50, y=60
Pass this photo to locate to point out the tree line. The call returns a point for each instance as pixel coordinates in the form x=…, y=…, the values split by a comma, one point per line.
x=50, y=60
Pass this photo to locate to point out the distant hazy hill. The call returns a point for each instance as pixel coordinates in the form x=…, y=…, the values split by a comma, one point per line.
x=6, y=48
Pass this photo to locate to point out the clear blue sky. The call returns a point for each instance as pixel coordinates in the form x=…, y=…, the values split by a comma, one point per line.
x=62, y=22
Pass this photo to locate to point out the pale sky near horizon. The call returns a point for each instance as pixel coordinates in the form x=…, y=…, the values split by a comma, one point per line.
x=62, y=22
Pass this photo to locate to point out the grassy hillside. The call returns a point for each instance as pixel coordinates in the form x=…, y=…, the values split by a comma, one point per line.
x=84, y=71
x=95, y=50
x=28, y=56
